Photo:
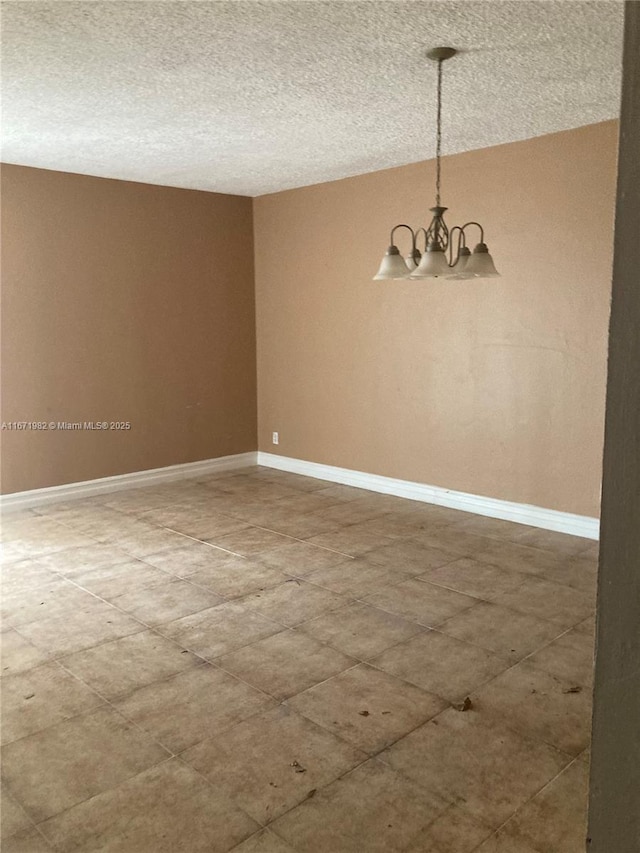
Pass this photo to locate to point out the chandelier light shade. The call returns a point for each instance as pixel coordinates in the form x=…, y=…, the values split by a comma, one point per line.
x=445, y=253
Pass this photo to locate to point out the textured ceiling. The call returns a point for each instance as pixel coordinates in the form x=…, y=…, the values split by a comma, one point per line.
x=255, y=97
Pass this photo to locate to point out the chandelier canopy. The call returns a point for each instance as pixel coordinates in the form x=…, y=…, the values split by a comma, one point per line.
x=445, y=254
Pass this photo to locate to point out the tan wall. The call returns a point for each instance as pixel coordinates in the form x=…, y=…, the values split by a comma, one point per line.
x=123, y=302
x=494, y=387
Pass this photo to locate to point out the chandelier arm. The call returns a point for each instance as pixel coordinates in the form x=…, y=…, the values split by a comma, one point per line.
x=461, y=242
x=477, y=224
x=413, y=235
x=426, y=237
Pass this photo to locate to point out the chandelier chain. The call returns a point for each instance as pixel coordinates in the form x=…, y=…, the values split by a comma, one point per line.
x=438, y=132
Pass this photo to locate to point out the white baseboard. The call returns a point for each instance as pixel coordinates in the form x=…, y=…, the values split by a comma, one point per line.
x=535, y=516
x=137, y=479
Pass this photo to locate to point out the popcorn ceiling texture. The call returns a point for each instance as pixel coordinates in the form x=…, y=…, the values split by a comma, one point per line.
x=255, y=97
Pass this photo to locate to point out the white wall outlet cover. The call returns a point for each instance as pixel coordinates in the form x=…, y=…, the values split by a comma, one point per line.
x=275, y=438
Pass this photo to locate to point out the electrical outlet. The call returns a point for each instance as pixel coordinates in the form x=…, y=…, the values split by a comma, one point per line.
x=275, y=438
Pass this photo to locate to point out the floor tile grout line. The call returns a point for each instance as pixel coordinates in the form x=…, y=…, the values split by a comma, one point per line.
x=147, y=626
x=527, y=802
x=257, y=527
x=40, y=823
x=424, y=629
x=526, y=577
x=581, y=621
x=33, y=826
x=156, y=630
x=104, y=703
x=179, y=755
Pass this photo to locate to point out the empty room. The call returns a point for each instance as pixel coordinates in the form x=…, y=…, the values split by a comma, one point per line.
x=320, y=476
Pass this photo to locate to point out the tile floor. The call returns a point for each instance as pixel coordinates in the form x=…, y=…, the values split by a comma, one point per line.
x=267, y=663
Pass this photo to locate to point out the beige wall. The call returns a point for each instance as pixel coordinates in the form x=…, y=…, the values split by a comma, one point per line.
x=493, y=387
x=123, y=302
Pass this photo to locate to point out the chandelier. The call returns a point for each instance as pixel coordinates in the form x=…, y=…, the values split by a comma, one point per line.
x=445, y=254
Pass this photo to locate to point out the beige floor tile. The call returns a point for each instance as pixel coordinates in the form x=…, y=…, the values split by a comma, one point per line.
x=78, y=559
x=137, y=501
x=410, y=557
x=496, y=528
x=352, y=512
x=454, y=831
x=300, y=503
x=299, y=526
x=13, y=551
x=570, y=657
x=356, y=578
x=293, y=601
x=421, y=602
x=553, y=602
x=13, y=524
x=25, y=575
x=585, y=756
x=18, y=654
x=550, y=540
x=588, y=626
x=43, y=535
x=452, y=540
x=264, y=841
x=269, y=763
x=43, y=602
x=234, y=577
x=192, y=706
x=304, y=527
x=166, y=602
x=201, y=524
x=477, y=760
x=393, y=525
x=500, y=843
x=74, y=512
x=366, y=707
x=14, y=817
x=521, y=558
x=371, y=808
x=139, y=544
x=80, y=629
x=474, y=578
x=360, y=630
x=300, y=558
x=108, y=527
x=122, y=578
x=298, y=482
x=441, y=664
x=41, y=697
x=343, y=493
x=285, y=663
x=498, y=629
x=117, y=668
x=162, y=810
x=220, y=630
x=250, y=541
x=593, y=551
x=185, y=561
x=27, y=841
x=353, y=543
x=58, y=767
x=579, y=572
x=539, y=705
x=555, y=820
